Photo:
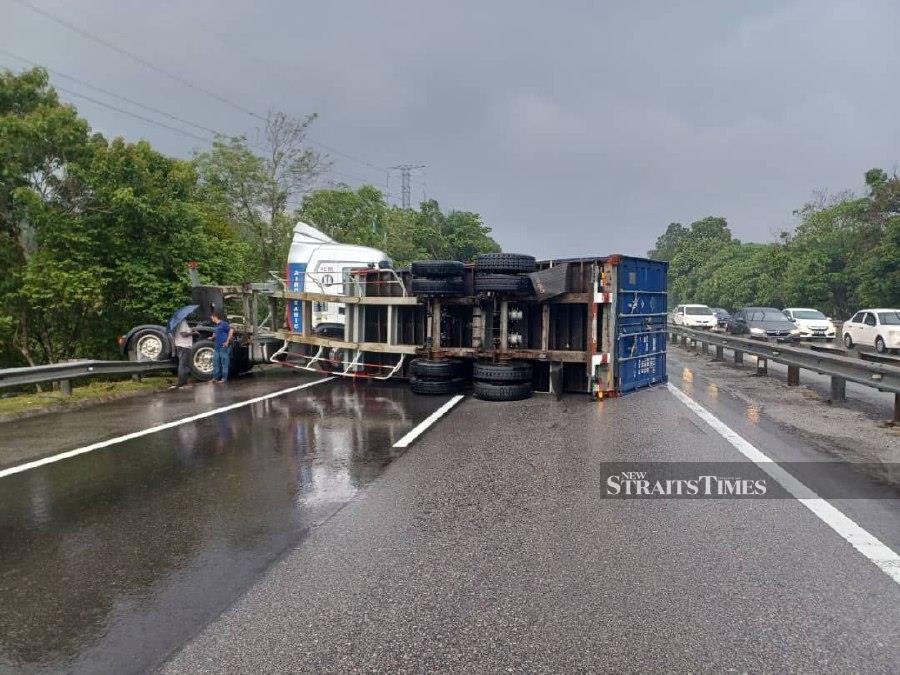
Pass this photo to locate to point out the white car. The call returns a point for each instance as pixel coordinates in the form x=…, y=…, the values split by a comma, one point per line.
x=879, y=328
x=812, y=323
x=694, y=316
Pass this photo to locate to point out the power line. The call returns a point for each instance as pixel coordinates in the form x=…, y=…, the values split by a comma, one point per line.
x=173, y=76
x=112, y=94
x=134, y=57
x=135, y=115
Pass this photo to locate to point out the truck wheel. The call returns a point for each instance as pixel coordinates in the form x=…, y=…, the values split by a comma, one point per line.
x=427, y=369
x=149, y=344
x=429, y=387
x=502, y=283
x=879, y=345
x=502, y=372
x=437, y=269
x=447, y=286
x=848, y=341
x=202, y=360
x=502, y=392
x=504, y=263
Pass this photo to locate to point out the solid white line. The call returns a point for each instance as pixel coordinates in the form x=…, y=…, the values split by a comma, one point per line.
x=417, y=431
x=152, y=430
x=871, y=547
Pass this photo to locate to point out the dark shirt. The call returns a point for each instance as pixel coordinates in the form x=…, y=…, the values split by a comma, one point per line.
x=220, y=333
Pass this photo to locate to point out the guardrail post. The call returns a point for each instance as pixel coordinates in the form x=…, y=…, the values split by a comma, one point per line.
x=705, y=346
x=896, y=408
x=720, y=353
x=738, y=356
x=793, y=376
x=65, y=387
x=762, y=366
x=838, y=389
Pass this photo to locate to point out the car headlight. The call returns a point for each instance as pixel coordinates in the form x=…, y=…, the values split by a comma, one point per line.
x=795, y=331
x=757, y=331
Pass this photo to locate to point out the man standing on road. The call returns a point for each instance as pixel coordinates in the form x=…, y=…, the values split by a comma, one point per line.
x=184, y=341
x=223, y=334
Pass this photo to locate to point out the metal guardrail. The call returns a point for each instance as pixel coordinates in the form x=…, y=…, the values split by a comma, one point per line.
x=865, y=356
x=65, y=372
x=841, y=369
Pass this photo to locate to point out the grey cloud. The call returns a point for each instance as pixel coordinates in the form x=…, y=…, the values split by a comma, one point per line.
x=573, y=127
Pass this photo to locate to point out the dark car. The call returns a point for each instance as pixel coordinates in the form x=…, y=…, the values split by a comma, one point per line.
x=763, y=322
x=723, y=318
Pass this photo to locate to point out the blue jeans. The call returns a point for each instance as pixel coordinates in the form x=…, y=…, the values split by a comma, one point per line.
x=221, y=361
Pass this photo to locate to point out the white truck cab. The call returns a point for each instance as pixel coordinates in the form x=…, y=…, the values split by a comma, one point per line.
x=319, y=264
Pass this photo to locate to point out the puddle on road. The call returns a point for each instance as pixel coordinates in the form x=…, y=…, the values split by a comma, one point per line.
x=110, y=560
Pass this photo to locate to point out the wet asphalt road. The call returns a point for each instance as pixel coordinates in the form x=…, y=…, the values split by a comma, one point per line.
x=110, y=560
x=488, y=548
x=485, y=547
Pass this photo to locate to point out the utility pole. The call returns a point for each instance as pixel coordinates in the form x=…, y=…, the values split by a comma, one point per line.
x=405, y=172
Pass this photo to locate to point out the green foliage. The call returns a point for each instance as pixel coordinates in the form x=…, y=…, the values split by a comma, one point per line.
x=95, y=234
x=363, y=217
x=844, y=254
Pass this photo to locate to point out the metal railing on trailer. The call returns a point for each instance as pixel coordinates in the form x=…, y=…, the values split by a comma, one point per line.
x=64, y=373
x=841, y=369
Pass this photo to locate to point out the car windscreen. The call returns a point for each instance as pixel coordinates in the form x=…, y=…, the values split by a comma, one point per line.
x=768, y=315
x=889, y=318
x=698, y=311
x=808, y=314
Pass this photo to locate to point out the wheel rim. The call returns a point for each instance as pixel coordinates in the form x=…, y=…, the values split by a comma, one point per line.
x=149, y=347
x=847, y=341
x=879, y=346
x=203, y=360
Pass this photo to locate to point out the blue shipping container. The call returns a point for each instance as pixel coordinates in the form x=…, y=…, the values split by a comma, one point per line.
x=641, y=314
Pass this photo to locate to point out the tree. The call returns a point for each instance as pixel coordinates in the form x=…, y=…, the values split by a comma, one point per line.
x=667, y=243
x=353, y=216
x=844, y=253
x=253, y=191
x=95, y=234
x=363, y=217
x=39, y=137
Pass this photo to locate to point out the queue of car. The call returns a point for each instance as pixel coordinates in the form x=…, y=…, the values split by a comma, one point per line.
x=869, y=328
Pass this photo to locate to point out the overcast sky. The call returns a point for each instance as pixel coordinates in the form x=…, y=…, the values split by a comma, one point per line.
x=572, y=127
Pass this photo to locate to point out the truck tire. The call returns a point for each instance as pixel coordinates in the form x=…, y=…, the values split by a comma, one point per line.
x=430, y=387
x=149, y=344
x=502, y=283
x=447, y=286
x=502, y=372
x=504, y=263
x=427, y=369
x=202, y=360
x=437, y=269
x=487, y=391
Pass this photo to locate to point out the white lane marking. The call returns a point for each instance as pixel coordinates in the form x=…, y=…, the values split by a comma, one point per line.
x=870, y=546
x=422, y=426
x=152, y=430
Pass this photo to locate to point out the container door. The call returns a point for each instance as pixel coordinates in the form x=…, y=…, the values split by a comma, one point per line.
x=641, y=312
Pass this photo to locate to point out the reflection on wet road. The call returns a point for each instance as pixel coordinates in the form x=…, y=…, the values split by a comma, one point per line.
x=111, y=560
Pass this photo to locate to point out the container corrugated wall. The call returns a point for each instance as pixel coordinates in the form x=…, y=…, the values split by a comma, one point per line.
x=641, y=306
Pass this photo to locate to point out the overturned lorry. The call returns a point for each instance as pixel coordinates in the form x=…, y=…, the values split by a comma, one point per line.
x=509, y=324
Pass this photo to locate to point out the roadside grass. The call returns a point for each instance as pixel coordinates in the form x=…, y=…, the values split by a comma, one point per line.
x=94, y=390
